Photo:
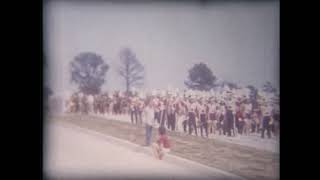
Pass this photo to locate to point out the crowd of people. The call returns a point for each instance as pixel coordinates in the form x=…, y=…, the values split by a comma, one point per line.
x=228, y=113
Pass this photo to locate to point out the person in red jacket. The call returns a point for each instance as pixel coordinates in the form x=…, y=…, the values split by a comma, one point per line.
x=162, y=145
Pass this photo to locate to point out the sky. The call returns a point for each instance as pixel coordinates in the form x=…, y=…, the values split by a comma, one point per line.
x=238, y=41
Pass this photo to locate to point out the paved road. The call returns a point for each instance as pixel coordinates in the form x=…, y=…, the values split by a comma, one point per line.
x=73, y=153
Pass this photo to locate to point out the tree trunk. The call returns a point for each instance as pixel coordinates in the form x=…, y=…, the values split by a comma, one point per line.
x=127, y=77
x=127, y=85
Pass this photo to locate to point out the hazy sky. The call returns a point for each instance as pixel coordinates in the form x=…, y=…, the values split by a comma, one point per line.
x=238, y=41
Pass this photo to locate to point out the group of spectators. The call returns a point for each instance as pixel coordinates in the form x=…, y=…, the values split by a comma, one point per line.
x=222, y=113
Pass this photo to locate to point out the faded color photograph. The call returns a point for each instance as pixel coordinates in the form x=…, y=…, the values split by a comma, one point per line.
x=161, y=90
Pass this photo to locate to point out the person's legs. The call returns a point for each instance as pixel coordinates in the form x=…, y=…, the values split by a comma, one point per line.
x=219, y=127
x=206, y=128
x=246, y=128
x=131, y=116
x=173, y=122
x=189, y=121
x=215, y=126
x=195, y=126
x=169, y=122
x=162, y=118
x=276, y=129
x=210, y=127
x=253, y=128
x=148, y=134
x=229, y=129
x=159, y=117
x=273, y=128
x=184, y=123
x=258, y=128
x=136, y=116
x=262, y=132
x=189, y=125
x=139, y=117
x=240, y=127
x=269, y=131
x=201, y=128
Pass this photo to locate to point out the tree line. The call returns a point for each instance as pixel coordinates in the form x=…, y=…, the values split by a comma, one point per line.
x=88, y=71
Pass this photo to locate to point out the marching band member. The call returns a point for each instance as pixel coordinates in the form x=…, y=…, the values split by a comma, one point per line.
x=203, y=118
x=229, y=120
x=133, y=111
x=266, y=124
x=156, y=106
x=195, y=111
x=192, y=107
x=171, y=115
x=212, y=117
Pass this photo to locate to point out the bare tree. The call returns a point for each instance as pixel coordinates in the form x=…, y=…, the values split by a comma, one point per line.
x=131, y=70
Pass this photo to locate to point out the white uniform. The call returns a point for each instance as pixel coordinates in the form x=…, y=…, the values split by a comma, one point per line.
x=192, y=107
x=212, y=108
x=148, y=117
x=201, y=109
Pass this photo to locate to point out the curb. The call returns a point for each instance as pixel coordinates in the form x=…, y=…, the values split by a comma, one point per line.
x=205, y=170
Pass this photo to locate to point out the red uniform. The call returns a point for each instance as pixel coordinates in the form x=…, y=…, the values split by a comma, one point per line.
x=163, y=140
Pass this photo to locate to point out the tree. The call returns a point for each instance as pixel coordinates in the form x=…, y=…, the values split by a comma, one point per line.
x=267, y=87
x=131, y=70
x=200, y=78
x=88, y=71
